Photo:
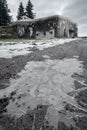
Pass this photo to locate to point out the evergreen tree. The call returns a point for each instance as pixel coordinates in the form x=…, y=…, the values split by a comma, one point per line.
x=20, y=11
x=29, y=10
x=4, y=13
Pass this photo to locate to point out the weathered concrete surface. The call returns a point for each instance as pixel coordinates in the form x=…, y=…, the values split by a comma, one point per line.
x=48, y=27
x=71, y=117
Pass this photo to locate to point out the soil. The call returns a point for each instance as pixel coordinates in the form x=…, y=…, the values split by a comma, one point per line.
x=35, y=119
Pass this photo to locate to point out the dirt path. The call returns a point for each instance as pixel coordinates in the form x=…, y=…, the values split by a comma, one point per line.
x=42, y=89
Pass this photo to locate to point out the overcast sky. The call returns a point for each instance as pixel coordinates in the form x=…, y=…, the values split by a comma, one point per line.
x=76, y=10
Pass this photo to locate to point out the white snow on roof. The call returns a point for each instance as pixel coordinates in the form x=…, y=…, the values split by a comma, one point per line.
x=24, y=19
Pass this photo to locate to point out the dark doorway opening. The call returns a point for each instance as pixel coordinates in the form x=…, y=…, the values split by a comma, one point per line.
x=71, y=33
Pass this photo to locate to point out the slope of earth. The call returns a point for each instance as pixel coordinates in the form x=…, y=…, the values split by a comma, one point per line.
x=45, y=89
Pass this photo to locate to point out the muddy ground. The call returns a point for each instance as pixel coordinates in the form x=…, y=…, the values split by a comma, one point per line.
x=35, y=119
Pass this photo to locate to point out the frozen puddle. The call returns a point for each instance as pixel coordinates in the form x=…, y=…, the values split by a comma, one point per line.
x=45, y=82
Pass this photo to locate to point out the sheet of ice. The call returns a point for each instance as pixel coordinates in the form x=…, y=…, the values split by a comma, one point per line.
x=11, y=49
x=45, y=82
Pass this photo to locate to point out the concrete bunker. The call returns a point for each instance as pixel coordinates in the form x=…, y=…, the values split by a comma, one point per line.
x=48, y=27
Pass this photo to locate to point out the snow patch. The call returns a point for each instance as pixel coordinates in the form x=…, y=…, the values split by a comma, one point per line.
x=12, y=49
